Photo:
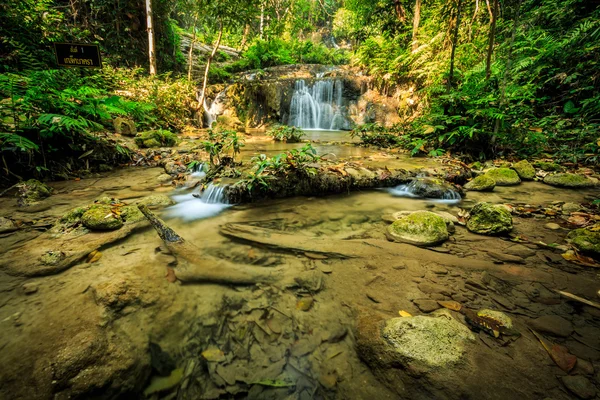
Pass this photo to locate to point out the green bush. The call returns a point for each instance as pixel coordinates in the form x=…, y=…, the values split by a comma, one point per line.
x=156, y=138
x=284, y=133
x=376, y=135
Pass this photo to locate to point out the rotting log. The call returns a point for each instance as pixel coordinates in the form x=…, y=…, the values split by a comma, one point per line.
x=193, y=266
x=324, y=182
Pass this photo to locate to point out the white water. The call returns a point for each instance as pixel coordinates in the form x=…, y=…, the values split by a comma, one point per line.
x=450, y=197
x=215, y=109
x=317, y=106
x=193, y=206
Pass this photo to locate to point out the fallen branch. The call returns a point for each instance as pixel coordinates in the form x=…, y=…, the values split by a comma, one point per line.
x=579, y=299
x=193, y=266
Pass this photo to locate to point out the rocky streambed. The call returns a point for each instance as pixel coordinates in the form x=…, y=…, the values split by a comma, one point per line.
x=369, y=294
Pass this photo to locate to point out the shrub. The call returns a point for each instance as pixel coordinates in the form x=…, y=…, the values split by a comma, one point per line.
x=284, y=133
x=156, y=138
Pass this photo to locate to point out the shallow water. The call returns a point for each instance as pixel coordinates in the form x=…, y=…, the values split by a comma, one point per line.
x=188, y=319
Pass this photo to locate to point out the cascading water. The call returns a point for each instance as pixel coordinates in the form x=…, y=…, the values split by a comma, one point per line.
x=199, y=205
x=417, y=189
x=216, y=107
x=318, y=106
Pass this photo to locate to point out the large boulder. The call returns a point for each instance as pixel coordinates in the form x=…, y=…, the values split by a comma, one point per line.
x=504, y=176
x=525, y=170
x=489, y=219
x=32, y=191
x=482, y=183
x=100, y=217
x=570, y=180
x=421, y=228
x=585, y=241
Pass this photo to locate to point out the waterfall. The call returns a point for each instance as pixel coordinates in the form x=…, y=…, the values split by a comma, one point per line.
x=419, y=188
x=216, y=107
x=317, y=106
x=199, y=205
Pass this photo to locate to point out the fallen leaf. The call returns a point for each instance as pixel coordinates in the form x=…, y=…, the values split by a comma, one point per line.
x=304, y=304
x=404, y=314
x=274, y=383
x=580, y=259
x=93, y=256
x=451, y=305
x=559, y=354
x=171, y=275
x=578, y=220
x=213, y=354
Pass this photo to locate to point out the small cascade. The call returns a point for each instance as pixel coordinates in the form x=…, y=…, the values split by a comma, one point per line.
x=199, y=205
x=420, y=188
x=215, y=108
x=317, y=106
x=199, y=171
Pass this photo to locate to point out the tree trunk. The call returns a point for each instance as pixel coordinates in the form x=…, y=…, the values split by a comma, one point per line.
x=245, y=37
x=151, y=53
x=487, y=2
x=488, y=62
x=208, y=61
x=473, y=19
x=400, y=11
x=454, y=43
x=191, y=52
x=416, y=21
x=262, y=19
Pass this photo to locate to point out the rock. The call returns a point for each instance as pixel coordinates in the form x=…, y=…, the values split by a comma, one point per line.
x=157, y=200
x=30, y=288
x=570, y=180
x=499, y=316
x=116, y=294
x=164, y=178
x=426, y=305
x=585, y=241
x=520, y=250
x=548, y=166
x=482, y=183
x=173, y=168
x=584, y=367
x=431, y=341
x=509, y=258
x=489, y=219
x=32, y=191
x=7, y=225
x=580, y=386
x=552, y=324
x=124, y=126
x=431, y=188
x=568, y=208
x=503, y=176
x=131, y=214
x=100, y=217
x=525, y=170
x=552, y=226
x=421, y=228
x=156, y=138
x=433, y=288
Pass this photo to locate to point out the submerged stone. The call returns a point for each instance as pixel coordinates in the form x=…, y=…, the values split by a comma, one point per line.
x=157, y=200
x=32, y=191
x=421, y=228
x=504, y=176
x=489, y=219
x=7, y=225
x=570, y=180
x=525, y=170
x=432, y=188
x=585, y=241
x=482, y=183
x=434, y=341
x=101, y=217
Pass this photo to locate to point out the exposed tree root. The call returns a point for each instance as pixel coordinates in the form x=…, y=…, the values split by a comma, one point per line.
x=193, y=266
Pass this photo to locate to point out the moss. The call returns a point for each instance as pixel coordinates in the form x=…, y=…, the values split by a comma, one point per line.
x=131, y=214
x=124, y=126
x=157, y=138
x=107, y=200
x=157, y=200
x=52, y=257
x=100, y=217
x=503, y=176
x=504, y=319
x=422, y=228
x=585, y=241
x=570, y=180
x=548, y=166
x=525, y=170
x=489, y=219
x=32, y=191
x=482, y=183
x=74, y=216
x=477, y=166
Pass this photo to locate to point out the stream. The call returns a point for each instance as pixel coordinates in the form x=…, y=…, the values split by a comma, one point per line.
x=94, y=328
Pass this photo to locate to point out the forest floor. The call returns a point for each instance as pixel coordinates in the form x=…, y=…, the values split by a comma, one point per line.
x=92, y=329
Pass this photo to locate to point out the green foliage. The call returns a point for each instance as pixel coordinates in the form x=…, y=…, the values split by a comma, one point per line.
x=376, y=135
x=220, y=143
x=284, y=133
x=156, y=138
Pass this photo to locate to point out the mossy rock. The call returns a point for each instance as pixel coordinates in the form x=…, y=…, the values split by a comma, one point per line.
x=482, y=183
x=157, y=138
x=157, y=201
x=52, y=257
x=503, y=176
x=100, y=217
x=585, y=241
x=421, y=228
x=570, y=180
x=131, y=214
x=73, y=216
x=32, y=191
x=525, y=170
x=124, y=126
x=431, y=188
x=548, y=166
x=489, y=219
x=477, y=166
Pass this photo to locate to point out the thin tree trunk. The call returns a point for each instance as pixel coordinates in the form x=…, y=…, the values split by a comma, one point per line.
x=245, y=37
x=507, y=67
x=400, y=11
x=416, y=21
x=488, y=62
x=262, y=19
x=208, y=61
x=191, y=52
x=151, y=53
x=487, y=2
x=454, y=43
x=473, y=19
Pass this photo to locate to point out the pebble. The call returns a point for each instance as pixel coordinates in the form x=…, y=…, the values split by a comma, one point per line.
x=579, y=385
x=570, y=207
x=520, y=250
x=426, y=305
x=584, y=367
x=438, y=269
x=552, y=226
x=552, y=324
x=30, y=288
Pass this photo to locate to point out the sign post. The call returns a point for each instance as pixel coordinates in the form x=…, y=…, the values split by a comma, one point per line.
x=78, y=55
